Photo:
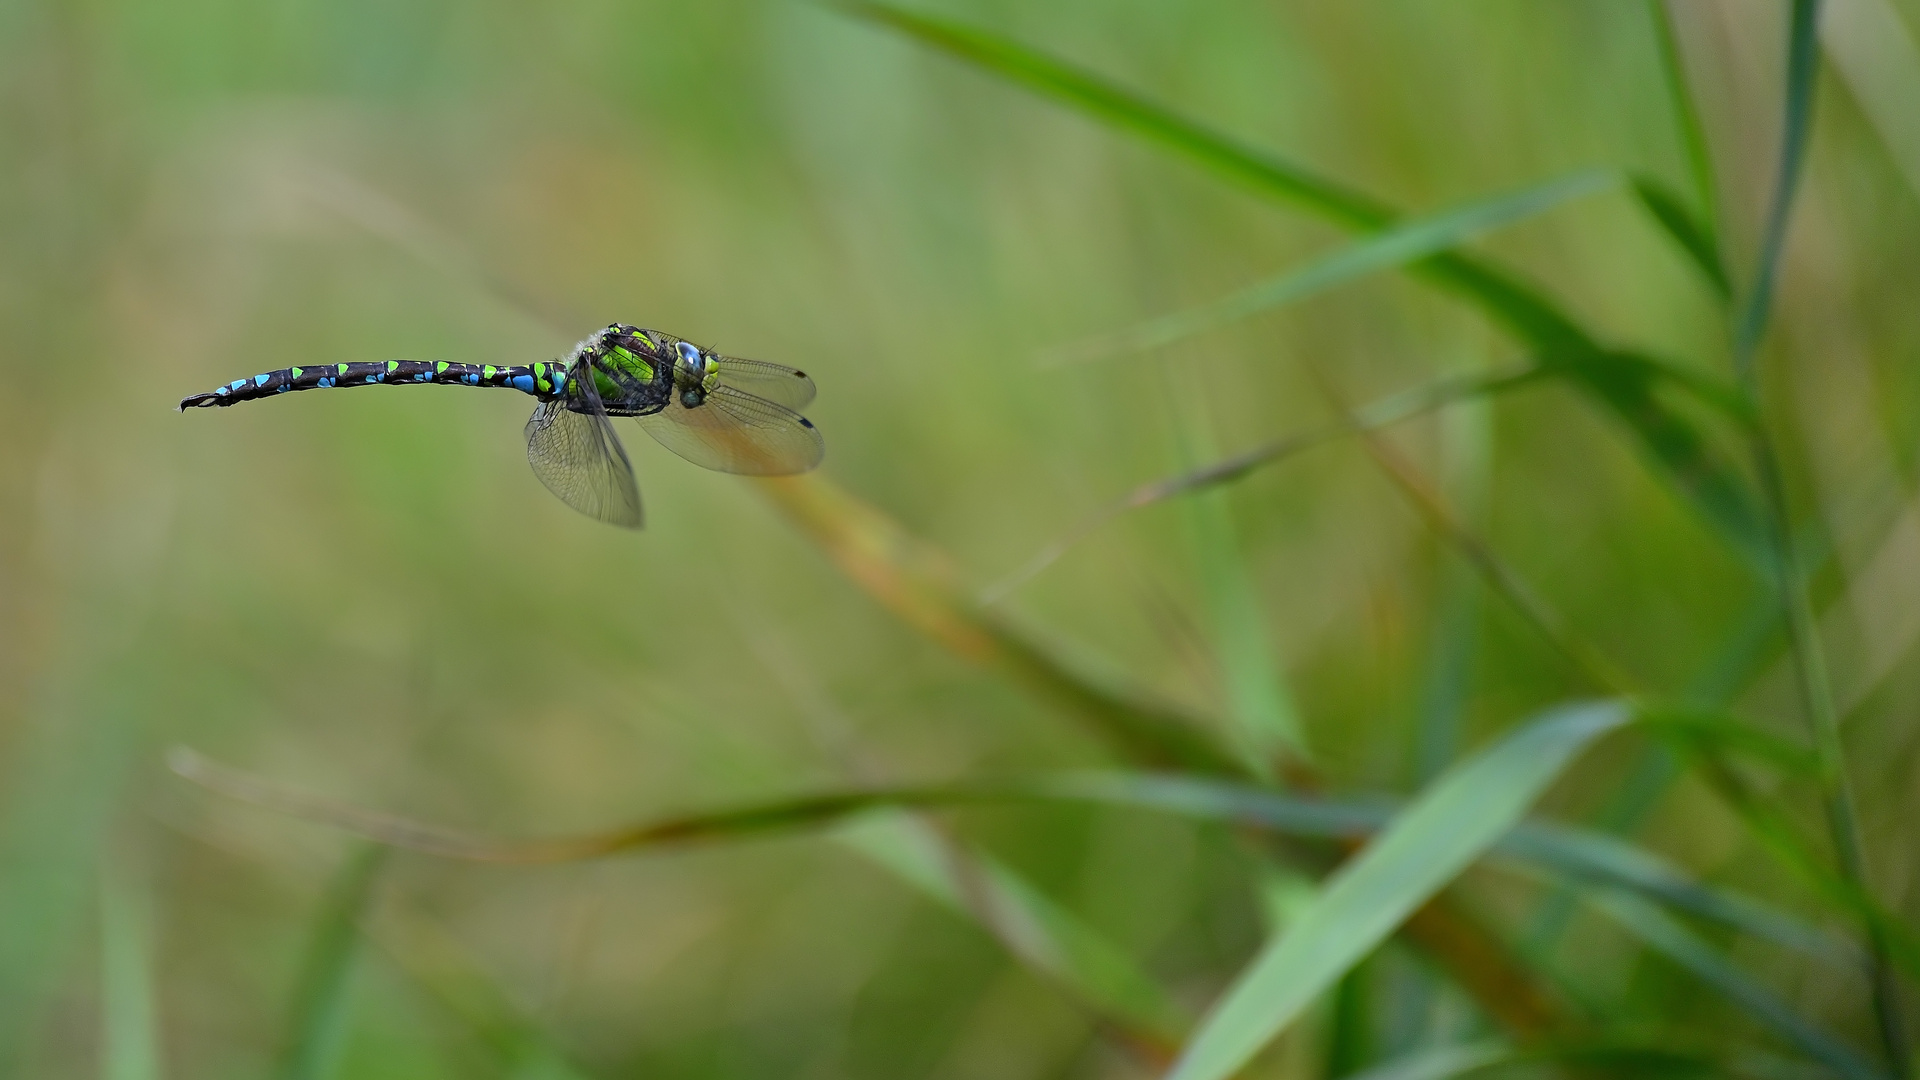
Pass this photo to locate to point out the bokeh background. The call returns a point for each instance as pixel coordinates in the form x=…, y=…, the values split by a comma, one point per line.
x=369, y=597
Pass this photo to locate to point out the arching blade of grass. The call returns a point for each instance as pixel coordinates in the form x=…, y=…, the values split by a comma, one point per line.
x=129, y=1039
x=919, y=584
x=1680, y=945
x=1428, y=844
x=1034, y=928
x=1575, y=856
x=1696, y=231
x=1688, y=232
x=318, y=1021
x=1623, y=385
x=1403, y=242
x=1384, y=412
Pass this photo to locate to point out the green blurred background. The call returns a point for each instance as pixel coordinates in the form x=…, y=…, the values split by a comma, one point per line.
x=369, y=595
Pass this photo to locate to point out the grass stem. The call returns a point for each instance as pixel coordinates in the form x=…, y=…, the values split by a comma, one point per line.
x=1843, y=819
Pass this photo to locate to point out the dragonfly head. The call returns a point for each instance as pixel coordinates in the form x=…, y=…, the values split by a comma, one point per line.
x=695, y=374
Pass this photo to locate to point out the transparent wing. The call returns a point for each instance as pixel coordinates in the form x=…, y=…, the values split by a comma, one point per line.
x=580, y=459
x=777, y=383
x=736, y=432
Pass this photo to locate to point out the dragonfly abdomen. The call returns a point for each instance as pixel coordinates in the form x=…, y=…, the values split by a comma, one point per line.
x=541, y=380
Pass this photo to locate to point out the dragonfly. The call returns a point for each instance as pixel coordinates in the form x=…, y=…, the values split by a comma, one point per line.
x=719, y=412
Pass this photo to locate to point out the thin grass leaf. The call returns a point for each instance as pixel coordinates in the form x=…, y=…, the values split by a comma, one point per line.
x=1680, y=945
x=1574, y=856
x=399, y=832
x=918, y=583
x=129, y=1036
x=1124, y=109
x=1720, y=731
x=1684, y=457
x=1802, y=65
x=1375, y=415
x=1693, y=141
x=1891, y=942
x=318, y=1019
x=1692, y=235
x=1032, y=927
x=1265, y=724
x=1428, y=844
x=1404, y=242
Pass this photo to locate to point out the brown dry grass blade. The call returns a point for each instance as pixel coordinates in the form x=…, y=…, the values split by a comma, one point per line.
x=412, y=835
x=918, y=583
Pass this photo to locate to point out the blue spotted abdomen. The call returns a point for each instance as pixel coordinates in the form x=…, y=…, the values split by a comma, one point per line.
x=541, y=380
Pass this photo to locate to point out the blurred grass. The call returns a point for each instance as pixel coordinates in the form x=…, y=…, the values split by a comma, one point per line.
x=369, y=595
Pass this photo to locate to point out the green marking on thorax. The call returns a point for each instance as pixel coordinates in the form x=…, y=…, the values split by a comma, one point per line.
x=633, y=364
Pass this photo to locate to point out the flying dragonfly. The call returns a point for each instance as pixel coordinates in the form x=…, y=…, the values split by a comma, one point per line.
x=719, y=412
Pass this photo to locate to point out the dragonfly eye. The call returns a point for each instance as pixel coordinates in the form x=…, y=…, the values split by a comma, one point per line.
x=689, y=355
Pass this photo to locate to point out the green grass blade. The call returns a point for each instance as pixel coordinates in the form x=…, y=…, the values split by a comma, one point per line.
x=1428, y=844
x=1693, y=136
x=1684, y=457
x=1259, y=701
x=1266, y=724
x=1693, y=235
x=1680, y=945
x=318, y=1021
x=1406, y=241
x=1583, y=857
x=1032, y=927
x=130, y=1039
x=1802, y=65
x=1892, y=943
x=1125, y=109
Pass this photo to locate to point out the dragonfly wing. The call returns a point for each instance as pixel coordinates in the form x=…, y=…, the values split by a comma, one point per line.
x=580, y=459
x=737, y=432
x=777, y=383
